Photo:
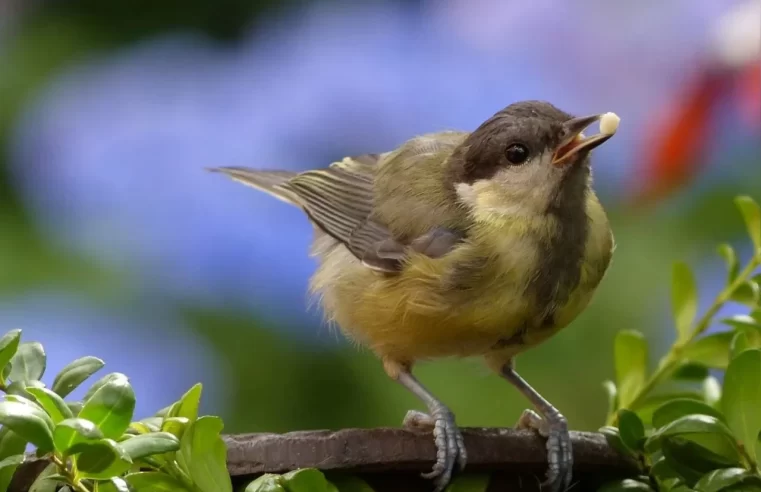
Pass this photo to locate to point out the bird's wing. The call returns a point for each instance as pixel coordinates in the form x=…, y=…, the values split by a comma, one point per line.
x=339, y=200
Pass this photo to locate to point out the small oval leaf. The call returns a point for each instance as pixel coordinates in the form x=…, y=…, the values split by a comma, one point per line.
x=175, y=426
x=630, y=351
x=111, y=407
x=76, y=373
x=306, y=479
x=8, y=345
x=741, y=398
x=711, y=350
x=684, y=299
x=269, y=482
x=102, y=459
x=751, y=213
x=70, y=433
x=149, y=444
x=676, y=409
x=28, y=363
x=46, y=481
x=632, y=429
x=740, y=343
x=730, y=258
x=204, y=455
x=51, y=403
x=188, y=405
x=8, y=468
x=29, y=422
x=724, y=478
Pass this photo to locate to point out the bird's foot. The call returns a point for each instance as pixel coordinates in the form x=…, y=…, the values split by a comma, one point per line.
x=559, y=452
x=450, y=445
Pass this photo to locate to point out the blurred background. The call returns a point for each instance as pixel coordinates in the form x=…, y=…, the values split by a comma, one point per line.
x=115, y=242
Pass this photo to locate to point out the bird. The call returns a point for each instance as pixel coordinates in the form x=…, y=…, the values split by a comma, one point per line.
x=460, y=244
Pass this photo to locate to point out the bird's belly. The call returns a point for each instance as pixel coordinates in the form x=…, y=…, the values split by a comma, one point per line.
x=414, y=316
x=418, y=315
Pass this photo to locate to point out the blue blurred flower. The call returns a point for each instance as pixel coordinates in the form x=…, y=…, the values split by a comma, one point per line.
x=160, y=356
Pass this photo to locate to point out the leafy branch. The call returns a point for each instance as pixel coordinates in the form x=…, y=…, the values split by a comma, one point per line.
x=688, y=432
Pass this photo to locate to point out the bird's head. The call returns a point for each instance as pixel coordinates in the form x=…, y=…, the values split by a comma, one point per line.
x=527, y=160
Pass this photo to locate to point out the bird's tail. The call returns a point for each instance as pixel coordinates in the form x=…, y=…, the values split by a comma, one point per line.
x=273, y=182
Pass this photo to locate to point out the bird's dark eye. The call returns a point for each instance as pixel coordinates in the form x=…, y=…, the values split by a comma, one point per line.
x=517, y=154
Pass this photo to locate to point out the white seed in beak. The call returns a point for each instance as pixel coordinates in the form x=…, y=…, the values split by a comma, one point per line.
x=609, y=123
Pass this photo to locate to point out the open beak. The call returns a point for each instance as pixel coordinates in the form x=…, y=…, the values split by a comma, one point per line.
x=575, y=141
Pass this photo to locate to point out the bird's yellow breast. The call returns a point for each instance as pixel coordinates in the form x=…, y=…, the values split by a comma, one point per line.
x=469, y=302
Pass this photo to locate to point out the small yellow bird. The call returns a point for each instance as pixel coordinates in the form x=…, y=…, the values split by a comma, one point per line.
x=460, y=244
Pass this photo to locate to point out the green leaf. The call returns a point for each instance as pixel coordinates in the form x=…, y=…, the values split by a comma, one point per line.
x=8, y=346
x=75, y=407
x=204, y=455
x=10, y=443
x=711, y=350
x=51, y=403
x=71, y=433
x=76, y=373
x=149, y=444
x=730, y=258
x=349, y=483
x=712, y=391
x=153, y=423
x=747, y=293
x=740, y=343
x=463, y=483
x=631, y=429
x=684, y=299
x=719, y=480
x=102, y=459
x=111, y=407
x=305, y=480
x=45, y=481
x=187, y=407
x=154, y=482
x=175, y=425
x=662, y=471
x=269, y=482
x=742, y=322
x=613, y=436
x=612, y=392
x=114, y=484
x=647, y=406
x=8, y=468
x=705, y=431
x=690, y=460
x=741, y=399
x=676, y=409
x=29, y=422
x=631, y=361
x=112, y=376
x=28, y=363
x=624, y=485
x=752, y=215
x=691, y=371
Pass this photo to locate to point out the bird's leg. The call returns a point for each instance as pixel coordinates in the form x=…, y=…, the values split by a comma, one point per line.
x=550, y=423
x=450, y=447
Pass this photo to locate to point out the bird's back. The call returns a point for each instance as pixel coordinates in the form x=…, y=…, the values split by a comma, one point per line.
x=411, y=193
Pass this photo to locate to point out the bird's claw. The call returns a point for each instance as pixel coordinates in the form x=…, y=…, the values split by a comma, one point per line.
x=450, y=446
x=559, y=451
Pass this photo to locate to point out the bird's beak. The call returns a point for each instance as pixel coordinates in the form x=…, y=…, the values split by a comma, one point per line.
x=574, y=141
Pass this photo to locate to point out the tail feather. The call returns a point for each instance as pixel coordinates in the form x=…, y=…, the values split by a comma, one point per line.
x=272, y=182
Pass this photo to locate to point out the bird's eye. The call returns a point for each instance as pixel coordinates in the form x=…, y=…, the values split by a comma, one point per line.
x=517, y=154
